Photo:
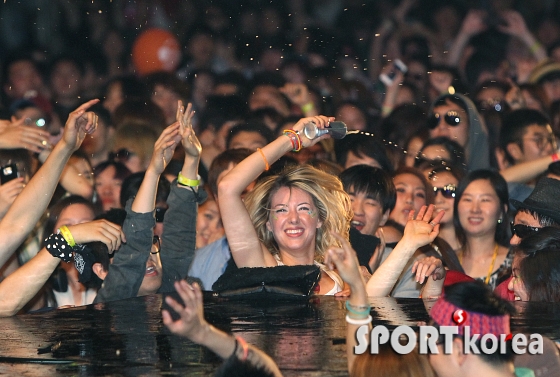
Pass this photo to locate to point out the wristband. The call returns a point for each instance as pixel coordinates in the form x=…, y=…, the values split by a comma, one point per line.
x=308, y=107
x=295, y=139
x=535, y=47
x=555, y=157
x=240, y=341
x=357, y=310
x=184, y=181
x=65, y=232
x=266, y=165
x=58, y=247
x=359, y=322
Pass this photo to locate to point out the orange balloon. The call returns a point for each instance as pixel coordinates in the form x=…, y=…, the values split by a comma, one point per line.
x=156, y=50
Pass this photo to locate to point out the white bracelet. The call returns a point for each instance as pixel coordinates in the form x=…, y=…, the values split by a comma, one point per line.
x=363, y=321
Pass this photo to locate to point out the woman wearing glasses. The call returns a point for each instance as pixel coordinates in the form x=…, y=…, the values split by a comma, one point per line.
x=444, y=180
x=455, y=116
x=481, y=227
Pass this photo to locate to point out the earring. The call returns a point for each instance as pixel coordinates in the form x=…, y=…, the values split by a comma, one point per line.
x=500, y=221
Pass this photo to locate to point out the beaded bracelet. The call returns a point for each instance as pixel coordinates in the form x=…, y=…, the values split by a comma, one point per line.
x=184, y=181
x=58, y=247
x=295, y=139
x=359, y=322
x=357, y=310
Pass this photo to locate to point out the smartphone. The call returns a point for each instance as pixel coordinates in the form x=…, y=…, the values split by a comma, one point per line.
x=8, y=172
x=387, y=78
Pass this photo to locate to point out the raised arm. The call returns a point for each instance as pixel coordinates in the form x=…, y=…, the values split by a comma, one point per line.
x=127, y=271
x=23, y=284
x=244, y=244
x=33, y=200
x=192, y=325
x=179, y=229
x=347, y=266
x=417, y=233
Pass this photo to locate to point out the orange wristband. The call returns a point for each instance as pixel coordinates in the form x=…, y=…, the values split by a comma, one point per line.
x=555, y=157
x=266, y=165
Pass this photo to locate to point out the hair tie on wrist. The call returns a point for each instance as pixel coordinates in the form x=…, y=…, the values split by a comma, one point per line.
x=358, y=310
x=295, y=139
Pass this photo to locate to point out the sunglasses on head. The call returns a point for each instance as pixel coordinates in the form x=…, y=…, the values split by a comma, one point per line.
x=523, y=231
x=451, y=118
x=448, y=191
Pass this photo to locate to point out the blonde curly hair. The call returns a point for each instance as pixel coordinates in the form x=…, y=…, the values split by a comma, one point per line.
x=332, y=202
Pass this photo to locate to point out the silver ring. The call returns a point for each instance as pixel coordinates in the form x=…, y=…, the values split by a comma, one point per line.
x=44, y=142
x=433, y=224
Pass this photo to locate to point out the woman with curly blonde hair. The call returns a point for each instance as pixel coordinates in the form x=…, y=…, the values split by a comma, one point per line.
x=289, y=218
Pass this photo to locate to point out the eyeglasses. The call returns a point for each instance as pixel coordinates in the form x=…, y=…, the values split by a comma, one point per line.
x=160, y=213
x=448, y=191
x=451, y=118
x=543, y=141
x=122, y=155
x=523, y=231
x=157, y=242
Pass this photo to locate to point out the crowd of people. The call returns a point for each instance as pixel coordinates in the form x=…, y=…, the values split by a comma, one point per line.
x=452, y=173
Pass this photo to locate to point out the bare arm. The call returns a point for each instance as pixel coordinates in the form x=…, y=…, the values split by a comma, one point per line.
x=431, y=269
x=244, y=244
x=193, y=325
x=22, y=217
x=526, y=171
x=472, y=24
x=516, y=26
x=347, y=265
x=417, y=233
x=22, y=285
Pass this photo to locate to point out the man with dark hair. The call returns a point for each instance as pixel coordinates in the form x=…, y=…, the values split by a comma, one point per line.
x=360, y=149
x=483, y=313
x=525, y=136
x=250, y=135
x=373, y=196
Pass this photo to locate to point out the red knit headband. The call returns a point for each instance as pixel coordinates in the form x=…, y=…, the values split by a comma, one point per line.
x=443, y=314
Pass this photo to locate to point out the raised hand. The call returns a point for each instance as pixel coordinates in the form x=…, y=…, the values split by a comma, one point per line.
x=345, y=260
x=80, y=122
x=99, y=230
x=164, y=147
x=474, y=23
x=16, y=134
x=8, y=193
x=320, y=121
x=424, y=229
x=299, y=95
x=191, y=323
x=190, y=142
x=515, y=24
x=430, y=266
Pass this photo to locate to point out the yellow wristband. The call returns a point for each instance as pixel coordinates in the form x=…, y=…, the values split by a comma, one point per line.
x=308, y=107
x=67, y=235
x=182, y=180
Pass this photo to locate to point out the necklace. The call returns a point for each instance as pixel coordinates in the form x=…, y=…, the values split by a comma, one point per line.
x=494, y=256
